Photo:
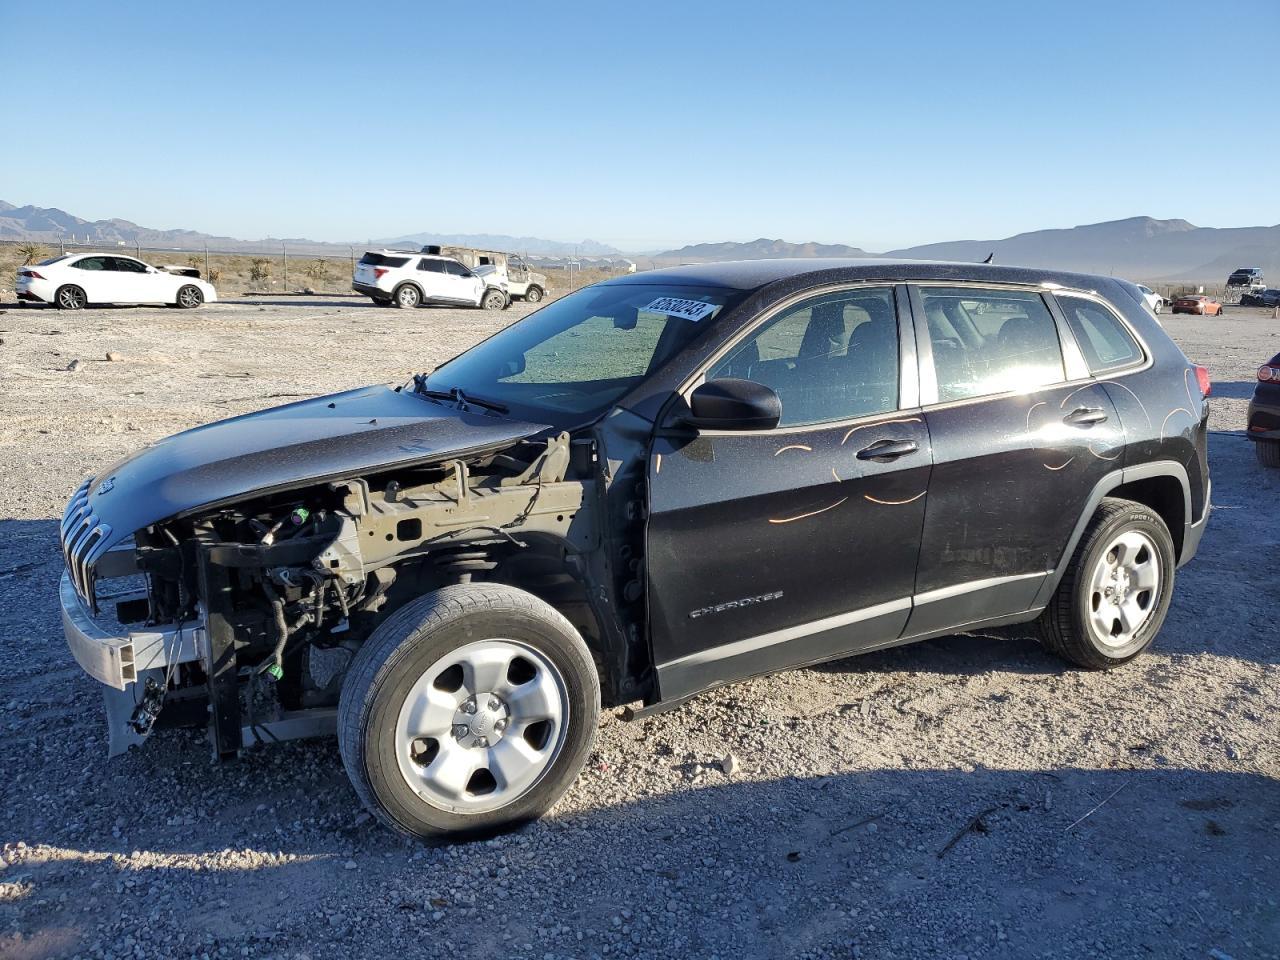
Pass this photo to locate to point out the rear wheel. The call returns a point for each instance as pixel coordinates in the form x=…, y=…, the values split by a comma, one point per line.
x=467, y=711
x=494, y=300
x=1267, y=452
x=407, y=296
x=70, y=297
x=533, y=295
x=1115, y=594
x=189, y=297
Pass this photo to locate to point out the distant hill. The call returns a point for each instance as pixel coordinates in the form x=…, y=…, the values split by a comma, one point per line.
x=499, y=241
x=762, y=249
x=1140, y=248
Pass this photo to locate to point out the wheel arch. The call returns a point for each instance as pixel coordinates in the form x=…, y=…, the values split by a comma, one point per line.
x=1162, y=485
x=422, y=294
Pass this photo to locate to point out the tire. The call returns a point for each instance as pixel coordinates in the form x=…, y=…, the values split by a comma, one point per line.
x=407, y=296
x=189, y=297
x=1070, y=625
x=70, y=297
x=1267, y=452
x=533, y=295
x=494, y=299
x=430, y=653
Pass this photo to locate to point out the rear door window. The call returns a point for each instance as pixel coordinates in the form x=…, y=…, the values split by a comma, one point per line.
x=987, y=342
x=431, y=266
x=1104, y=340
x=91, y=263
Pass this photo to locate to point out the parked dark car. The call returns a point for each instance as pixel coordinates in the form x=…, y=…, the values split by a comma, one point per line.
x=1270, y=297
x=1264, y=414
x=647, y=488
x=1245, y=277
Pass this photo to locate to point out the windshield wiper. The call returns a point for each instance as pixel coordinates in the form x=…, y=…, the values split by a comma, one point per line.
x=455, y=394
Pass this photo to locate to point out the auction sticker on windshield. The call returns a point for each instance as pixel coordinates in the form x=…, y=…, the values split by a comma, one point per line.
x=691, y=310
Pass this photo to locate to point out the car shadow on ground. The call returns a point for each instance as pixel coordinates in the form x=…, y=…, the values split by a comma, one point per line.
x=1234, y=389
x=794, y=866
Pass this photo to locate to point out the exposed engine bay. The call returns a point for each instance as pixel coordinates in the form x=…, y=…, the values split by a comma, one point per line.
x=288, y=585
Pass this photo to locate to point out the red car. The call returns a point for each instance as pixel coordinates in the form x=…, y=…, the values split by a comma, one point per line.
x=1204, y=306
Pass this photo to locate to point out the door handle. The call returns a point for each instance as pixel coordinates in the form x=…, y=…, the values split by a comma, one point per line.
x=1085, y=416
x=888, y=450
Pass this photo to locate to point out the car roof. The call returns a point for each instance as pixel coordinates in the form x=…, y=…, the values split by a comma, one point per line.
x=753, y=274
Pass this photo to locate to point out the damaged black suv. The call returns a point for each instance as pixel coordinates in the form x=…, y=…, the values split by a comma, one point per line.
x=647, y=488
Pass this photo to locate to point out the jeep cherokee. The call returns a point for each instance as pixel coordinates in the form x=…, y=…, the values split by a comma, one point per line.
x=652, y=486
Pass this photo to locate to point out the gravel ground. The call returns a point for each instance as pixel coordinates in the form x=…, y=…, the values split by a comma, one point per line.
x=921, y=802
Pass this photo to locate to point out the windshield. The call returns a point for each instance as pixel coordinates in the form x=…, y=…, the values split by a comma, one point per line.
x=569, y=362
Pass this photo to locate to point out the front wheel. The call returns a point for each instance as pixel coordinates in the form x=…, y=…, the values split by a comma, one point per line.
x=70, y=297
x=1267, y=452
x=189, y=297
x=533, y=295
x=494, y=300
x=1113, y=599
x=469, y=710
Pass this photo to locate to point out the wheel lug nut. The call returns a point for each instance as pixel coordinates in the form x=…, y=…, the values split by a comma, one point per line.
x=500, y=725
x=494, y=703
x=460, y=730
x=469, y=707
x=482, y=741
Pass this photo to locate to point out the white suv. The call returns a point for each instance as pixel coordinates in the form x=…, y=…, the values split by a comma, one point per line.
x=402, y=279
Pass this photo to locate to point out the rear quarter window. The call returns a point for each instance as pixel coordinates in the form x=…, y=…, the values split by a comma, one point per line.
x=1104, y=340
x=383, y=260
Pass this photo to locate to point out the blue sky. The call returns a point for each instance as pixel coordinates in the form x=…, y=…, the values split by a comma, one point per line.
x=643, y=125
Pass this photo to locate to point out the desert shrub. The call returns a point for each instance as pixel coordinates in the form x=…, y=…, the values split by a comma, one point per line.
x=214, y=275
x=259, y=269
x=317, y=270
x=31, y=252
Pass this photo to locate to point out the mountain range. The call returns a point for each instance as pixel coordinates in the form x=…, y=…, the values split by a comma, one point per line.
x=501, y=241
x=1140, y=248
x=51, y=225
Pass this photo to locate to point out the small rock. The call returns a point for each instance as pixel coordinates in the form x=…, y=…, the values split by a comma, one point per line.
x=730, y=765
x=349, y=865
x=114, y=357
x=75, y=366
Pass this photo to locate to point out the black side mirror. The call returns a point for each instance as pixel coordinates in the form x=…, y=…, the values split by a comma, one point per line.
x=733, y=404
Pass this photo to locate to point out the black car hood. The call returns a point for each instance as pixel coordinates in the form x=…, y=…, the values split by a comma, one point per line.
x=346, y=434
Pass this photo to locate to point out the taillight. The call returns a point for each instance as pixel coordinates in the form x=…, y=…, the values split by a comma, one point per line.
x=1202, y=378
x=379, y=271
x=30, y=275
x=1269, y=374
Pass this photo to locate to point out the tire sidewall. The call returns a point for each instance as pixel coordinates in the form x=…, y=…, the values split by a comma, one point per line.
x=409, y=652
x=57, y=298
x=534, y=295
x=1144, y=521
x=489, y=295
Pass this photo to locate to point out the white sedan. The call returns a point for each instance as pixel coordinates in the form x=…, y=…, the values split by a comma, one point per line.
x=76, y=280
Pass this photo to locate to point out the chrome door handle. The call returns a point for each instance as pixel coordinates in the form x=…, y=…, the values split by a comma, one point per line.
x=888, y=450
x=1085, y=416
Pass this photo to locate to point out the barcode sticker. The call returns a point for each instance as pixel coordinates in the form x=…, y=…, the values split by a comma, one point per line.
x=691, y=310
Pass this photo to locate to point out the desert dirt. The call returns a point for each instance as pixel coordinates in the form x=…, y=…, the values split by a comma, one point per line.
x=965, y=797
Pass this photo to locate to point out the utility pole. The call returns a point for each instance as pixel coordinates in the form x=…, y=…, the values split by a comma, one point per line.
x=284, y=263
x=206, y=261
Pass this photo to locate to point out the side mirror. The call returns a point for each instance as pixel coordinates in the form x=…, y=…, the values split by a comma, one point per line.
x=733, y=404
x=512, y=368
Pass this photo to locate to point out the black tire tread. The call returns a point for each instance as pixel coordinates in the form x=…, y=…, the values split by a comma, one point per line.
x=1267, y=452
x=1056, y=626
x=386, y=647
